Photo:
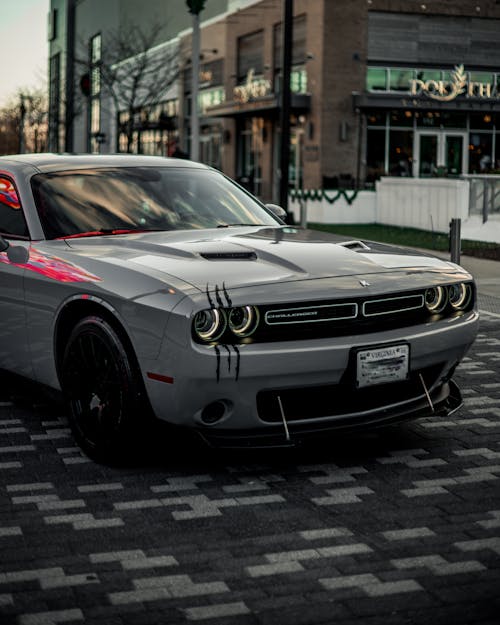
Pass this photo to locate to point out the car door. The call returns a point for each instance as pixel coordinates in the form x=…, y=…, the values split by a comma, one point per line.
x=14, y=353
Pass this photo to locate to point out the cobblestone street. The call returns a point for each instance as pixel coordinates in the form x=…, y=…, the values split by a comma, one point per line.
x=400, y=525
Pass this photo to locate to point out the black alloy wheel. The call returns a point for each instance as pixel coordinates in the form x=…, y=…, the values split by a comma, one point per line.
x=102, y=389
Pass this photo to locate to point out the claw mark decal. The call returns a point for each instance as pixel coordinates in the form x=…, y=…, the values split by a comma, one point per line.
x=210, y=300
x=217, y=297
x=217, y=351
x=237, y=374
x=215, y=306
x=228, y=358
x=226, y=295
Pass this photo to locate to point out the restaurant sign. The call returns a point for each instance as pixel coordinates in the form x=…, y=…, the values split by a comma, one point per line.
x=447, y=90
x=252, y=88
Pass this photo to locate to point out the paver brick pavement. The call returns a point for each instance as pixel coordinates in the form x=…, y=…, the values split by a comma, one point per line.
x=400, y=525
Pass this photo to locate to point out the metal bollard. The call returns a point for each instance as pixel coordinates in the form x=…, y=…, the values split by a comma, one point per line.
x=455, y=240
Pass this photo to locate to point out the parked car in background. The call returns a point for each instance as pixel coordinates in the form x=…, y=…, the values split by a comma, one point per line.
x=140, y=284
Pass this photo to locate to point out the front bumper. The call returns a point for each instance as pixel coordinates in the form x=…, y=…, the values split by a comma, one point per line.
x=236, y=379
x=445, y=400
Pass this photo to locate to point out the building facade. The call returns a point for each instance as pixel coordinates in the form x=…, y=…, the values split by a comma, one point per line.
x=379, y=87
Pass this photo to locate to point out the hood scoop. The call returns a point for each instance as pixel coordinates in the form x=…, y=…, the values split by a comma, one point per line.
x=229, y=255
x=355, y=246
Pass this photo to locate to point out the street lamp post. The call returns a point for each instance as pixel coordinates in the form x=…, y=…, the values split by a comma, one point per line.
x=286, y=65
x=195, y=8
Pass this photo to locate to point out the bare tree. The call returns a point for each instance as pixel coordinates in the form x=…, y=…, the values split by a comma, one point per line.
x=9, y=130
x=23, y=122
x=35, y=122
x=135, y=71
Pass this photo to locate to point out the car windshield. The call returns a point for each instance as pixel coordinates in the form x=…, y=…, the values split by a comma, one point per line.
x=119, y=200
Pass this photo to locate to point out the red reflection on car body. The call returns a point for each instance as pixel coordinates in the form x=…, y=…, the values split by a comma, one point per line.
x=8, y=194
x=53, y=267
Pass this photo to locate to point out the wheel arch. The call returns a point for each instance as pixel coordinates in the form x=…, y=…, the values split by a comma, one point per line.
x=78, y=308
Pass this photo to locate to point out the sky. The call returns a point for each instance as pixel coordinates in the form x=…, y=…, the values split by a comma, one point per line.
x=23, y=46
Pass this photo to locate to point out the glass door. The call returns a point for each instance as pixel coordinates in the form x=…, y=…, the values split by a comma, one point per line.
x=440, y=153
x=426, y=154
x=454, y=154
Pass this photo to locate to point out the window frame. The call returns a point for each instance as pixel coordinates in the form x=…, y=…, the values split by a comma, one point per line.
x=5, y=235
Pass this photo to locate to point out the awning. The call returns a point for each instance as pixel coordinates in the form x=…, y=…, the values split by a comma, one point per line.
x=365, y=101
x=300, y=103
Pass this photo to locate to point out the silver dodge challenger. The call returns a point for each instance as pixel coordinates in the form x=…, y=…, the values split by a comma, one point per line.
x=142, y=285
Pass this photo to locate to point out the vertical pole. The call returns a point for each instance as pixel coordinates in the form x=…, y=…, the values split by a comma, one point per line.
x=286, y=65
x=455, y=226
x=70, y=80
x=485, y=199
x=195, y=78
x=22, y=115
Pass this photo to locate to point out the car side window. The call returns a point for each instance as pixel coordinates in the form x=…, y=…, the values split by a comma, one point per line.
x=12, y=222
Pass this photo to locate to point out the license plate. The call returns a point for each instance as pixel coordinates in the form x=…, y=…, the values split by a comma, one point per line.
x=382, y=365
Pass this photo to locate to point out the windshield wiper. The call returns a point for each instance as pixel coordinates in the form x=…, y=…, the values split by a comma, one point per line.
x=108, y=231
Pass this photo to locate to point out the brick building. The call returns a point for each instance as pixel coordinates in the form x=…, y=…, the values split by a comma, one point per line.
x=379, y=87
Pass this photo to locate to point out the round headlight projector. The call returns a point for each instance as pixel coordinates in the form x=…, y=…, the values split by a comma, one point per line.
x=435, y=299
x=458, y=296
x=210, y=324
x=243, y=320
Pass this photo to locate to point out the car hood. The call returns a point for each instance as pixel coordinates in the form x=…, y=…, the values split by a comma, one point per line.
x=239, y=257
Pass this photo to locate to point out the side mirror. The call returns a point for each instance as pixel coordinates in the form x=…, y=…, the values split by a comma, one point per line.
x=277, y=211
x=17, y=254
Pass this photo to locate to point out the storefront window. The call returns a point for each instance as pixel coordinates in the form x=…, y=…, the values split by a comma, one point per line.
x=400, y=152
x=401, y=118
x=496, y=166
x=251, y=145
x=428, y=74
x=480, y=152
x=450, y=119
x=210, y=97
x=250, y=55
x=482, y=121
x=298, y=80
x=375, y=154
x=428, y=119
x=376, y=118
x=483, y=77
x=376, y=79
x=400, y=79
x=441, y=119
x=211, y=146
x=154, y=129
x=151, y=142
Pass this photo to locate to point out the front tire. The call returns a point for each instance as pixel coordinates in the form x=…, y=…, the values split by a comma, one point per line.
x=102, y=388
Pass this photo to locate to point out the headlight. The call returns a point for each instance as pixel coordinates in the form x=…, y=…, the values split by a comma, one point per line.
x=209, y=324
x=459, y=295
x=435, y=299
x=243, y=320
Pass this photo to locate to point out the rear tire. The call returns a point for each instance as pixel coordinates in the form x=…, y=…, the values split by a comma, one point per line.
x=102, y=388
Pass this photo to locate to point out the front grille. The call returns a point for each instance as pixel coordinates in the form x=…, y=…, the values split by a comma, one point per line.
x=314, y=402
x=311, y=314
x=306, y=320
x=309, y=320
x=387, y=306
